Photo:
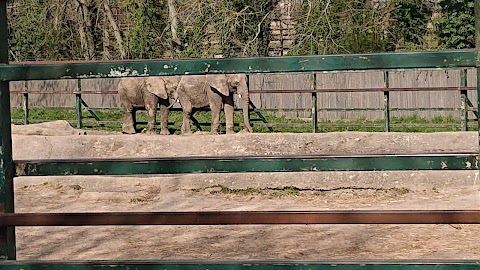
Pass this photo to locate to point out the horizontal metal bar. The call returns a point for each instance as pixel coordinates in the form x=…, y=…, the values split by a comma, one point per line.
x=267, y=91
x=54, y=92
x=357, y=125
x=370, y=109
x=397, y=89
x=242, y=265
x=199, y=164
x=91, y=69
x=243, y=218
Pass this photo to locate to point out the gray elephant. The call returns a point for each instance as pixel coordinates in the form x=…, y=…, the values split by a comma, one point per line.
x=147, y=92
x=199, y=91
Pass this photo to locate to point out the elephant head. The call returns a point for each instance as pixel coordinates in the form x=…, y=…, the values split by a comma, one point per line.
x=229, y=84
x=163, y=87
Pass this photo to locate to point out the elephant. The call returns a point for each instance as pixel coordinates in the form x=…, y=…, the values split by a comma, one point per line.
x=199, y=91
x=147, y=92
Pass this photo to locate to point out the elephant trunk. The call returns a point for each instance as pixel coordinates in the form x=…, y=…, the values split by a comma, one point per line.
x=246, y=101
x=246, y=117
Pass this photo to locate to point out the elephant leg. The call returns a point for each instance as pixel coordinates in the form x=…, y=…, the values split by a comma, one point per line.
x=216, y=108
x=187, y=116
x=228, y=109
x=128, y=121
x=164, y=117
x=151, y=107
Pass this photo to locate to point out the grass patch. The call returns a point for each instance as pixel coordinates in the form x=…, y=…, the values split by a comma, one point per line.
x=110, y=120
x=399, y=191
x=137, y=200
x=76, y=187
x=220, y=189
x=286, y=191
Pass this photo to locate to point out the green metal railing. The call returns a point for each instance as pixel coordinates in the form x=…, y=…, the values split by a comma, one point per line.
x=77, y=70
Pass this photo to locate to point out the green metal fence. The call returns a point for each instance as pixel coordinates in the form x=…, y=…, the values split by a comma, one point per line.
x=10, y=168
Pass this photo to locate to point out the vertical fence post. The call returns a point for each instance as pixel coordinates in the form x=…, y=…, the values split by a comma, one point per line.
x=386, y=102
x=477, y=62
x=314, y=105
x=7, y=234
x=26, y=112
x=463, y=99
x=79, y=103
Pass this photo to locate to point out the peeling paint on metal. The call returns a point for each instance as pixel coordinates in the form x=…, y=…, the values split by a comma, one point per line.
x=207, y=68
x=444, y=165
x=468, y=165
x=122, y=72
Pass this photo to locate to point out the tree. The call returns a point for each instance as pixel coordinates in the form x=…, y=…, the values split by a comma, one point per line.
x=409, y=24
x=456, y=25
x=237, y=28
x=330, y=27
x=40, y=31
x=146, y=35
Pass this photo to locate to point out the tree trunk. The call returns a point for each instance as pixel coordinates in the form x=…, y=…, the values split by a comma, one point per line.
x=106, y=40
x=85, y=29
x=116, y=30
x=172, y=14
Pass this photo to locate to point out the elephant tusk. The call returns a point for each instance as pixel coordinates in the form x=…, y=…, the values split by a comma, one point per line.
x=171, y=104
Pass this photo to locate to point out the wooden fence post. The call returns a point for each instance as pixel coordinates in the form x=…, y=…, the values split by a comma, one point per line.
x=7, y=234
x=463, y=99
x=79, y=103
x=26, y=111
x=314, y=105
x=386, y=102
x=477, y=60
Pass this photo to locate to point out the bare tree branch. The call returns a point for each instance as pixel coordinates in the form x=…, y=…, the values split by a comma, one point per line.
x=116, y=30
x=172, y=14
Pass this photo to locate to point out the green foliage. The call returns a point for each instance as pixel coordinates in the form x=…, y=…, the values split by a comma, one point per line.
x=237, y=28
x=38, y=31
x=111, y=120
x=457, y=24
x=146, y=36
x=332, y=27
x=409, y=25
x=50, y=30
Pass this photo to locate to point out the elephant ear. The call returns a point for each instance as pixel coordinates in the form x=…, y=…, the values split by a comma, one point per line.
x=219, y=83
x=156, y=86
x=233, y=80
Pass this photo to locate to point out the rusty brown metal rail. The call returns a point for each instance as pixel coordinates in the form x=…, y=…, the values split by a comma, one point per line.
x=269, y=91
x=379, y=89
x=243, y=218
x=83, y=92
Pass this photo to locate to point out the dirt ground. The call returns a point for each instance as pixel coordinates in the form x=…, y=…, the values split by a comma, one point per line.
x=312, y=191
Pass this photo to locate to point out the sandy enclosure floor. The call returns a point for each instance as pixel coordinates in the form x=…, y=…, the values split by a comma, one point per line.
x=308, y=191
